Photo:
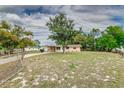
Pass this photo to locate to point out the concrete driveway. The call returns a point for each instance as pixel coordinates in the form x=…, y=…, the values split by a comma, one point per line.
x=14, y=58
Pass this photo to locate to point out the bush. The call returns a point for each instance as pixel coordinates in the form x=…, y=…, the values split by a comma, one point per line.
x=41, y=50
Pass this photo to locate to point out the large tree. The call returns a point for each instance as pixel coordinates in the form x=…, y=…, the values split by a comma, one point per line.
x=62, y=30
x=118, y=33
x=106, y=43
x=14, y=37
x=23, y=38
x=8, y=40
x=25, y=42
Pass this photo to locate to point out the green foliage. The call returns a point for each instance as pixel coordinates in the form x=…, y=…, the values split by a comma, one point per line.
x=23, y=36
x=63, y=33
x=62, y=30
x=90, y=42
x=118, y=33
x=79, y=38
x=1, y=47
x=8, y=40
x=106, y=42
x=94, y=33
x=111, y=38
x=25, y=42
x=5, y=25
x=18, y=31
x=37, y=43
x=14, y=37
x=73, y=66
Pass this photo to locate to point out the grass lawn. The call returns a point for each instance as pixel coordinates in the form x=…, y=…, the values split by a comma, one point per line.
x=85, y=69
x=7, y=69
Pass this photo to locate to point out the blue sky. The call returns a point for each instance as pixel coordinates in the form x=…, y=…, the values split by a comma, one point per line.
x=34, y=18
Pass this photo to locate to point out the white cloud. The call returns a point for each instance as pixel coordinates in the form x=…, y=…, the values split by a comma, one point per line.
x=13, y=17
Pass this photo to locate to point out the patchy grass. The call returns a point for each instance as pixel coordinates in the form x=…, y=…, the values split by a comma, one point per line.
x=73, y=66
x=85, y=69
x=7, y=69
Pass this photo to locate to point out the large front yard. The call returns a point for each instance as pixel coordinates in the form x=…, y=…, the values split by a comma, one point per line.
x=85, y=69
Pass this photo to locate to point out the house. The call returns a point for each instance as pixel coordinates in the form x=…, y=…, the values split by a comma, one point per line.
x=68, y=48
x=31, y=49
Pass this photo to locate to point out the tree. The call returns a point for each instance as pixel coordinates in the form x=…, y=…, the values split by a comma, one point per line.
x=37, y=43
x=8, y=40
x=94, y=33
x=5, y=25
x=80, y=39
x=89, y=42
x=106, y=43
x=14, y=37
x=23, y=37
x=25, y=42
x=62, y=30
x=118, y=33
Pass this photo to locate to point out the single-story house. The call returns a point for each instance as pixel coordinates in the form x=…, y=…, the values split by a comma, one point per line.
x=68, y=48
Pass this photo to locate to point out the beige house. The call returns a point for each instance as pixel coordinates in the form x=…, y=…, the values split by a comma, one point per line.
x=69, y=48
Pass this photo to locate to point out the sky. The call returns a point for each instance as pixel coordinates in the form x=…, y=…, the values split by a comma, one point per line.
x=34, y=18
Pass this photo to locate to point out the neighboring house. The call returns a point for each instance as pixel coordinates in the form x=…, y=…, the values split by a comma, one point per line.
x=31, y=49
x=58, y=48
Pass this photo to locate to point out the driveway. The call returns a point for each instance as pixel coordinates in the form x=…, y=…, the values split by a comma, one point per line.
x=11, y=59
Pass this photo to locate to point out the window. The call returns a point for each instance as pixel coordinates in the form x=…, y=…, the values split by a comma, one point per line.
x=67, y=47
x=74, y=47
x=58, y=48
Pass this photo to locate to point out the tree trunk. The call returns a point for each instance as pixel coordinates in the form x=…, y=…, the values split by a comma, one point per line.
x=23, y=53
x=19, y=61
x=63, y=49
x=12, y=51
x=94, y=44
x=109, y=49
x=9, y=53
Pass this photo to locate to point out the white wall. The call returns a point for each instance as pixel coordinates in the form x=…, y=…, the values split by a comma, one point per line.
x=31, y=49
